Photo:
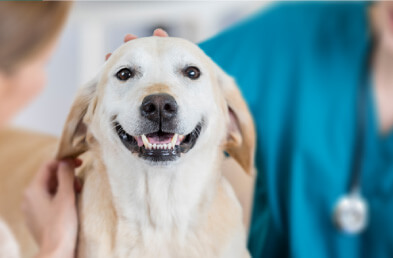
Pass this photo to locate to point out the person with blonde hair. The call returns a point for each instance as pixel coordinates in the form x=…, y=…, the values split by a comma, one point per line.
x=29, y=33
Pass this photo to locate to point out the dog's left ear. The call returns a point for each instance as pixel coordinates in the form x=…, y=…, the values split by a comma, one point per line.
x=240, y=141
x=73, y=139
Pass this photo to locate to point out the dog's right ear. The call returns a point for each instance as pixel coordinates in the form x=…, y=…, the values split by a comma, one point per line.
x=73, y=139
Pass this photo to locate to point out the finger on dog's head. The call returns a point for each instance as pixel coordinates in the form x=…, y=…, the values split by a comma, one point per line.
x=160, y=33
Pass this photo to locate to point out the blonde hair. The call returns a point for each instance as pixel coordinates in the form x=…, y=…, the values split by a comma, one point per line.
x=26, y=28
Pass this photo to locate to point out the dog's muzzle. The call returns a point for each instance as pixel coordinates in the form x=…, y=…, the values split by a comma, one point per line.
x=162, y=143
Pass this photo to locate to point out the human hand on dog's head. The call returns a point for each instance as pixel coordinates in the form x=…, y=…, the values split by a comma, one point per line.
x=129, y=37
x=50, y=210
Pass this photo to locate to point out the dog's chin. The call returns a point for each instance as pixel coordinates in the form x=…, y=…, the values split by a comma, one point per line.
x=159, y=148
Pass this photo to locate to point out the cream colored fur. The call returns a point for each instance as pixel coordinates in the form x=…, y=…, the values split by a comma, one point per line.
x=133, y=208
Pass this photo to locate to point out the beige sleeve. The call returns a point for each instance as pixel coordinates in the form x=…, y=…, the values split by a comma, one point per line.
x=8, y=246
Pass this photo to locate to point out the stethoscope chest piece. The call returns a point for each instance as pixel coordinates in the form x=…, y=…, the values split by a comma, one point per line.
x=351, y=214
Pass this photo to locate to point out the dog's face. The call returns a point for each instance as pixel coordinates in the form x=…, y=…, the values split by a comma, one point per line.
x=158, y=100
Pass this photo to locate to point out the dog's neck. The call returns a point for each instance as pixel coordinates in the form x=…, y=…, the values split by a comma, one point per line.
x=162, y=199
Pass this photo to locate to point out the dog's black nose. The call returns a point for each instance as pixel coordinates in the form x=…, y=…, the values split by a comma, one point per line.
x=157, y=107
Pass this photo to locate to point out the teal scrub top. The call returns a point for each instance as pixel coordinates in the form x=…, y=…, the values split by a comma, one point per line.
x=300, y=67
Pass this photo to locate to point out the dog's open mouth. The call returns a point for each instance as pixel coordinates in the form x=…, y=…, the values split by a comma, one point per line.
x=159, y=146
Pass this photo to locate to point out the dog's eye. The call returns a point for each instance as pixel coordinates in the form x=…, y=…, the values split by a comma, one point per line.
x=124, y=74
x=192, y=72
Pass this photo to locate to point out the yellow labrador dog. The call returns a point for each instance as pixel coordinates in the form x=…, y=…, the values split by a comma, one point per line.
x=153, y=126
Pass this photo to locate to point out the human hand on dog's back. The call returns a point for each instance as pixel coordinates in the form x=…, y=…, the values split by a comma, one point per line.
x=50, y=209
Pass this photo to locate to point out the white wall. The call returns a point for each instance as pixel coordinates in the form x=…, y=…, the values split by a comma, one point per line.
x=97, y=28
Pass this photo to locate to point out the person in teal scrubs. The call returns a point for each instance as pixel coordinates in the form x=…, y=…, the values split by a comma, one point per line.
x=300, y=66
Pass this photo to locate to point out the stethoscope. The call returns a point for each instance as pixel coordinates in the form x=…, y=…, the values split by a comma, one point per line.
x=351, y=213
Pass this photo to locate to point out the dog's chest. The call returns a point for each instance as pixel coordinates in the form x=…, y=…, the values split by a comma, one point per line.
x=144, y=241
x=152, y=243
x=157, y=223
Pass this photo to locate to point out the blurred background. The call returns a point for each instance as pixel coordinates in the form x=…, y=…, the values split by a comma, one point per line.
x=97, y=28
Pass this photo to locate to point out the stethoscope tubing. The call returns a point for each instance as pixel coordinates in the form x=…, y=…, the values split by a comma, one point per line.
x=351, y=210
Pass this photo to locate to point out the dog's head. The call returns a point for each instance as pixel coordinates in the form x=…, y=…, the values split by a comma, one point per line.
x=158, y=100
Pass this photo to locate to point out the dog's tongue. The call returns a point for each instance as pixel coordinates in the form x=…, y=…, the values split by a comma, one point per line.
x=160, y=139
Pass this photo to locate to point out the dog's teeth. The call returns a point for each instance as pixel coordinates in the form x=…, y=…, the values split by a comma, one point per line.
x=150, y=146
x=169, y=145
x=145, y=141
x=154, y=146
x=174, y=139
x=165, y=146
